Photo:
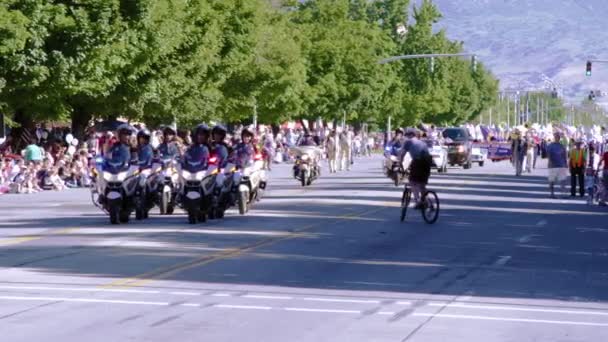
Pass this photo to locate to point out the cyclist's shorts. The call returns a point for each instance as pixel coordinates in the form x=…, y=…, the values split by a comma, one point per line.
x=420, y=171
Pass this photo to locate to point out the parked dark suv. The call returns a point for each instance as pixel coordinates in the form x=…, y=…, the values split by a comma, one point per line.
x=459, y=145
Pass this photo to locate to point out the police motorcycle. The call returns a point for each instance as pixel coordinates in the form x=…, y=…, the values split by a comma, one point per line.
x=145, y=192
x=393, y=167
x=223, y=197
x=115, y=182
x=166, y=184
x=197, y=178
x=248, y=176
x=306, y=168
x=166, y=180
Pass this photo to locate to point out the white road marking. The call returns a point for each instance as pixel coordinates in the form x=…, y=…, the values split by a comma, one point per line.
x=322, y=310
x=541, y=223
x=387, y=313
x=185, y=293
x=84, y=300
x=526, y=309
x=510, y=319
x=246, y=307
x=77, y=289
x=221, y=295
x=191, y=305
x=526, y=238
x=335, y=300
x=372, y=283
x=267, y=297
x=404, y=303
x=502, y=260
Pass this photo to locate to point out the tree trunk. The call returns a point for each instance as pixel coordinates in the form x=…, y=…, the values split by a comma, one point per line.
x=80, y=122
x=24, y=134
x=275, y=129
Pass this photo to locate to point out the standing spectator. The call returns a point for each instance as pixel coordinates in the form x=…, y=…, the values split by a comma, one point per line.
x=578, y=159
x=604, y=166
x=591, y=170
x=519, y=152
x=558, y=164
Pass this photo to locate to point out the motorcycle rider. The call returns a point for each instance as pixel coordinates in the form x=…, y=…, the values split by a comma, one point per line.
x=420, y=167
x=396, y=144
x=168, y=148
x=145, y=151
x=120, y=152
x=219, y=148
x=307, y=140
x=245, y=150
x=199, y=150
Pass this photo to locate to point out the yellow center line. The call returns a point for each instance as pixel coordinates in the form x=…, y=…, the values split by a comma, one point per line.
x=164, y=272
x=27, y=238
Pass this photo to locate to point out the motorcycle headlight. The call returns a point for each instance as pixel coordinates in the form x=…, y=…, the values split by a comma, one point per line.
x=121, y=176
x=200, y=175
x=461, y=148
x=186, y=174
x=107, y=176
x=305, y=157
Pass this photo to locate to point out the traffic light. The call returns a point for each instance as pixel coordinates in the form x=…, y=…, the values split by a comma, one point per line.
x=474, y=63
x=589, y=65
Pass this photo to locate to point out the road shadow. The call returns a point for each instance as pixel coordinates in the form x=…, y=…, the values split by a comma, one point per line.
x=349, y=240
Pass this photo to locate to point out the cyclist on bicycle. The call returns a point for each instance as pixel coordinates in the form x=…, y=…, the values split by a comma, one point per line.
x=420, y=167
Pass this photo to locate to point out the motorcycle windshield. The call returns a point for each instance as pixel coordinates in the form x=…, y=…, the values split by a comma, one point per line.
x=196, y=159
x=115, y=167
x=194, y=166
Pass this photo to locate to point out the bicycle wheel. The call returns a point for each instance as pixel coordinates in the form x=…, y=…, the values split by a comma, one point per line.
x=430, y=210
x=405, y=202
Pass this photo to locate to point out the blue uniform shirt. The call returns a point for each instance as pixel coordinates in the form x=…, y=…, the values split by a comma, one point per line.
x=244, y=153
x=119, y=154
x=221, y=153
x=145, y=155
x=168, y=150
x=196, y=158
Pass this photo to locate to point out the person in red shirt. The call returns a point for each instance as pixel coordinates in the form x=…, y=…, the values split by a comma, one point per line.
x=604, y=164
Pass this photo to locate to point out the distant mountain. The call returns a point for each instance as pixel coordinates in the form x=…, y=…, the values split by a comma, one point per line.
x=522, y=40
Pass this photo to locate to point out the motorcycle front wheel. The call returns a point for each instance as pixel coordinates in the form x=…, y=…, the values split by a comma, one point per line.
x=192, y=216
x=164, y=203
x=243, y=199
x=114, y=215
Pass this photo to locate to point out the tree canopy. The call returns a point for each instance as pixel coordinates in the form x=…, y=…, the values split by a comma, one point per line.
x=200, y=60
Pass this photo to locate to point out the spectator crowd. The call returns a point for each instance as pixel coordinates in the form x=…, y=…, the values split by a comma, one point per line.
x=56, y=160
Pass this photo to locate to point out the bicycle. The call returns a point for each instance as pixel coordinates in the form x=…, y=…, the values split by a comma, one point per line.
x=430, y=205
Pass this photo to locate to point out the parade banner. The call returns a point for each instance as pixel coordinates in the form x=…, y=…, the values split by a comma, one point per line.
x=496, y=150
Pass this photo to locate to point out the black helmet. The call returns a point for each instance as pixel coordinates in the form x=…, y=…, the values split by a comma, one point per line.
x=398, y=131
x=144, y=133
x=124, y=129
x=246, y=132
x=219, y=129
x=201, y=129
x=411, y=132
x=169, y=130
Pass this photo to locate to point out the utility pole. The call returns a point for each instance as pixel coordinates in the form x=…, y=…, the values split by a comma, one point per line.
x=490, y=116
x=527, y=116
x=539, y=118
x=255, y=115
x=388, y=130
x=508, y=112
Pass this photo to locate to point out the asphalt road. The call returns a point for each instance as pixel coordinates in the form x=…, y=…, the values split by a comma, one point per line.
x=327, y=263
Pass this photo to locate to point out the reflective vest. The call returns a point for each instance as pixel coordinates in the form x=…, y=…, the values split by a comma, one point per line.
x=577, y=158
